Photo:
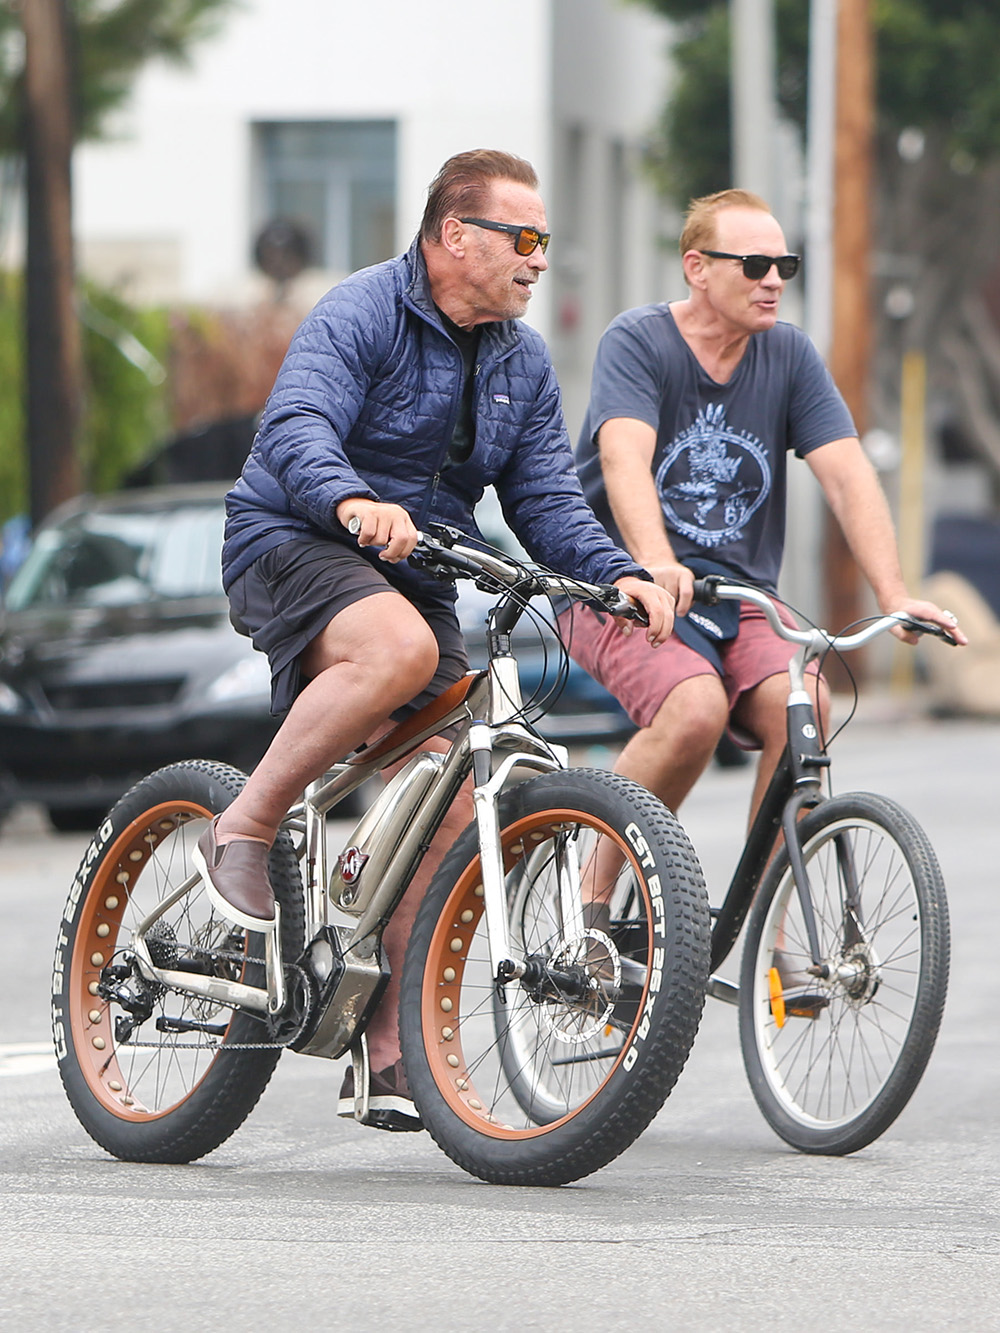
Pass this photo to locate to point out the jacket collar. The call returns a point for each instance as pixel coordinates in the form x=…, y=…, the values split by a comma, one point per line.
x=499, y=335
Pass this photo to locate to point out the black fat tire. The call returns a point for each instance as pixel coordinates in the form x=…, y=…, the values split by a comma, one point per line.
x=834, y=1082
x=616, y=1072
x=180, y=1098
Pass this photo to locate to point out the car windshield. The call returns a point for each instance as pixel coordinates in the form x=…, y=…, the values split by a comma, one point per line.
x=117, y=558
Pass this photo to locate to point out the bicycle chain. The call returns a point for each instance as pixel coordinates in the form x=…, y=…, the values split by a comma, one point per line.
x=223, y=954
x=225, y=1045
x=214, y=1050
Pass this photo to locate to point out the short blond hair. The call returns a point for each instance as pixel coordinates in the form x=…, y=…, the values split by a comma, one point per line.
x=700, y=229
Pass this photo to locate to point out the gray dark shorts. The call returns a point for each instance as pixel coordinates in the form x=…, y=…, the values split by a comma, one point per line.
x=291, y=593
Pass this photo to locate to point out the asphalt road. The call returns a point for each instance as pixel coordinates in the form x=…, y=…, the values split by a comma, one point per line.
x=709, y=1222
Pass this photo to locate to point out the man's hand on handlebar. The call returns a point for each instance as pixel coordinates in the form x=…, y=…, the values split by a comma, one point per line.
x=376, y=524
x=657, y=603
x=919, y=610
x=677, y=581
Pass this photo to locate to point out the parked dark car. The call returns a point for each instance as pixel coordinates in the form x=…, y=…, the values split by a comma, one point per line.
x=117, y=655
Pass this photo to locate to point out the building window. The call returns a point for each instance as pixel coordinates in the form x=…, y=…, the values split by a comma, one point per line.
x=336, y=180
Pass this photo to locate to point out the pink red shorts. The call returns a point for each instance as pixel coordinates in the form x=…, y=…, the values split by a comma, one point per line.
x=641, y=677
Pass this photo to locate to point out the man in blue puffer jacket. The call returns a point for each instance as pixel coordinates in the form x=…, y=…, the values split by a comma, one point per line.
x=408, y=389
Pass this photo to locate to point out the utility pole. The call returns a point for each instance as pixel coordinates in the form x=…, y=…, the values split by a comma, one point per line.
x=851, y=335
x=820, y=183
x=753, y=112
x=54, y=360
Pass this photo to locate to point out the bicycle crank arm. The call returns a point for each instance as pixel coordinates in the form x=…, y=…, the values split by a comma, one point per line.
x=166, y=1024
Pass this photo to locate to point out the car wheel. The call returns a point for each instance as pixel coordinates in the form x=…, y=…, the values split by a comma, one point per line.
x=76, y=818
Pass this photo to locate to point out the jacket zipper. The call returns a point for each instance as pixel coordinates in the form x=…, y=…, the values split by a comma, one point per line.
x=431, y=495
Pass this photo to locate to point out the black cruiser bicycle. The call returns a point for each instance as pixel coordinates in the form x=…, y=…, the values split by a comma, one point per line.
x=844, y=968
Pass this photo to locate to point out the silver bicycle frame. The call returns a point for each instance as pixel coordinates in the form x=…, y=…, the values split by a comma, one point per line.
x=410, y=812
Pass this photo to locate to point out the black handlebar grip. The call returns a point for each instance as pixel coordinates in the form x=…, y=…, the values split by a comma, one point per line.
x=704, y=590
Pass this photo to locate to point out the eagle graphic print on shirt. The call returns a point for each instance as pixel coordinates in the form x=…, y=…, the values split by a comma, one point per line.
x=712, y=479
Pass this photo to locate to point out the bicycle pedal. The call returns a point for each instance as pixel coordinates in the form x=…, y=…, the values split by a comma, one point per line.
x=806, y=1006
x=720, y=988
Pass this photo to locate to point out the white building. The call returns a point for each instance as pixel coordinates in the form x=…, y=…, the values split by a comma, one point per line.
x=339, y=114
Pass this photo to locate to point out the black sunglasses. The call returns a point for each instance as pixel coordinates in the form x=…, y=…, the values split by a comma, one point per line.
x=755, y=266
x=525, y=238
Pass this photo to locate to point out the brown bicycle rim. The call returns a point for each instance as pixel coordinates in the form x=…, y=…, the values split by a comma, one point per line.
x=441, y=997
x=98, y=925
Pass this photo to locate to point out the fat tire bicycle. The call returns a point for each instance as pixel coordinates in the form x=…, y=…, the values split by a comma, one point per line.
x=538, y=1040
x=844, y=969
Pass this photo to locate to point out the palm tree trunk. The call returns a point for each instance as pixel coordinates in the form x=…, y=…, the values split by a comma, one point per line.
x=53, y=347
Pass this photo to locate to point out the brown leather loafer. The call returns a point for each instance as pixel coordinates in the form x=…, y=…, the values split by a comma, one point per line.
x=236, y=879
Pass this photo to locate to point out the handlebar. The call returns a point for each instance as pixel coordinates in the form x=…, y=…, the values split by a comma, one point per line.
x=444, y=553
x=712, y=589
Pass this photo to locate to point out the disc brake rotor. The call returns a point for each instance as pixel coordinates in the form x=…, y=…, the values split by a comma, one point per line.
x=573, y=1021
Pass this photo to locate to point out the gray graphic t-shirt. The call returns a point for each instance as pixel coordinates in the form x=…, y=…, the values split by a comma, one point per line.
x=721, y=449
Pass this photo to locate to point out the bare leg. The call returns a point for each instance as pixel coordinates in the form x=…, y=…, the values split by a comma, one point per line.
x=762, y=712
x=372, y=658
x=667, y=758
x=669, y=755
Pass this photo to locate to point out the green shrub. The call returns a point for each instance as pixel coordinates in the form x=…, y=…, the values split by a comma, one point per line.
x=125, y=407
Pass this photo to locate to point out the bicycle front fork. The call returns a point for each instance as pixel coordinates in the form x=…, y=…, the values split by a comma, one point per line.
x=485, y=795
x=805, y=759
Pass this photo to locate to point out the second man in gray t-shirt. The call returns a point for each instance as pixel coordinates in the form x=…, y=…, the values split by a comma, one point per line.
x=694, y=409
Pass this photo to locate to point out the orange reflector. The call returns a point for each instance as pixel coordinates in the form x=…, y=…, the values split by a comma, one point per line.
x=777, y=997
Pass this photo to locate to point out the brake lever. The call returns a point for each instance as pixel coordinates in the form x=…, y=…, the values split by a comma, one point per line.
x=616, y=603
x=426, y=555
x=445, y=534
x=927, y=627
x=430, y=565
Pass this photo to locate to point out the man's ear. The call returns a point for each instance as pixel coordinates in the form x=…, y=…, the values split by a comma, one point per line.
x=694, y=268
x=453, y=237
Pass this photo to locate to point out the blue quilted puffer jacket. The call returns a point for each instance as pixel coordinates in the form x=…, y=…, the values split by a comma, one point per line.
x=365, y=404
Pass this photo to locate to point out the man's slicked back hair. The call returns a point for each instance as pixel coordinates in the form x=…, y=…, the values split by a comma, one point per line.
x=699, y=221
x=461, y=187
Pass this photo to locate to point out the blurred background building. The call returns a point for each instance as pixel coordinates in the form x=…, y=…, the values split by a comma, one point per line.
x=331, y=120
x=216, y=197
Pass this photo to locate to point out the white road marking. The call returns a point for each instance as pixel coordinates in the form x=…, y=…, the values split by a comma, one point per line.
x=26, y=1057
